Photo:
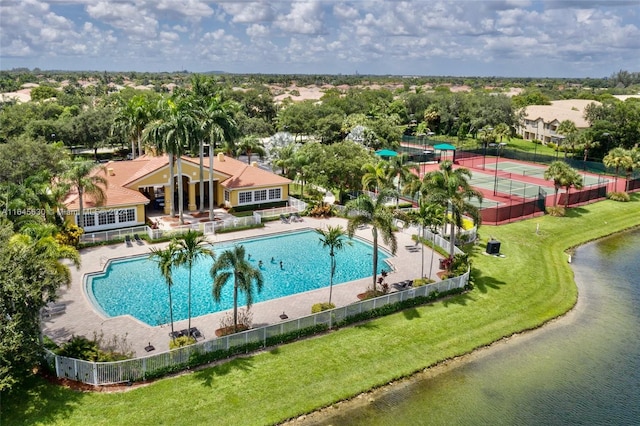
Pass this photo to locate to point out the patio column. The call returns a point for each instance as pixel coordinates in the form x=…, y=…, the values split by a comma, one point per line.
x=192, y=197
x=168, y=198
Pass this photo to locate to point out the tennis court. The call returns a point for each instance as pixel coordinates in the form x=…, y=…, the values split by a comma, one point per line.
x=536, y=171
x=504, y=183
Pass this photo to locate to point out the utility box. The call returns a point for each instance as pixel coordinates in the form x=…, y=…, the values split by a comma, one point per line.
x=493, y=247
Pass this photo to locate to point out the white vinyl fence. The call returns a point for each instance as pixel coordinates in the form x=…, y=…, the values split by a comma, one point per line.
x=104, y=373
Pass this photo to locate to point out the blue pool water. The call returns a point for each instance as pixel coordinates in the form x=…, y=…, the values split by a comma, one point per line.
x=135, y=286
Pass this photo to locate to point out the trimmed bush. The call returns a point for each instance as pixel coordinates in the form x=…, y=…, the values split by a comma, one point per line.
x=324, y=306
x=181, y=341
x=619, y=196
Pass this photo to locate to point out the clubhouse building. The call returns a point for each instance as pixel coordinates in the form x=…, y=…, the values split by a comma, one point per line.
x=140, y=186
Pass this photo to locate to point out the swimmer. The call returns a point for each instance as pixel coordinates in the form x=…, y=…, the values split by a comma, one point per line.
x=281, y=267
x=273, y=260
x=260, y=264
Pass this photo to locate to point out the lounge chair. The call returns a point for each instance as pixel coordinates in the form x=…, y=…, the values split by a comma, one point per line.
x=138, y=239
x=195, y=333
x=175, y=334
x=283, y=218
x=127, y=240
x=54, y=310
x=297, y=217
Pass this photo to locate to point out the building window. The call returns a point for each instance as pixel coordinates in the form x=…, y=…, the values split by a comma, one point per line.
x=106, y=218
x=89, y=220
x=127, y=215
x=275, y=193
x=227, y=196
x=244, y=197
x=260, y=195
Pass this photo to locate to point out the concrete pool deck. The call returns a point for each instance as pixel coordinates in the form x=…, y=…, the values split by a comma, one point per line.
x=81, y=318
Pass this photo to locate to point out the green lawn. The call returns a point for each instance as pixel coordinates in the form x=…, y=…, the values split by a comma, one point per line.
x=529, y=286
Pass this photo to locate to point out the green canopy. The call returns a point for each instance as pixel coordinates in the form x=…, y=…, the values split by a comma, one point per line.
x=386, y=153
x=445, y=147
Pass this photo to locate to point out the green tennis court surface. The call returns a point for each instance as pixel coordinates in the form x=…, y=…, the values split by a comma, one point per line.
x=536, y=171
x=506, y=184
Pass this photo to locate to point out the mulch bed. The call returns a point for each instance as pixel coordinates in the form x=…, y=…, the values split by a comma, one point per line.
x=370, y=294
x=225, y=331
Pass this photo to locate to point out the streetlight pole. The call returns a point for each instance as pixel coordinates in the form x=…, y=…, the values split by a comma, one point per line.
x=495, y=175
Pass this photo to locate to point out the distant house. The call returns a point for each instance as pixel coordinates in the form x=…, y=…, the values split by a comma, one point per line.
x=138, y=186
x=541, y=121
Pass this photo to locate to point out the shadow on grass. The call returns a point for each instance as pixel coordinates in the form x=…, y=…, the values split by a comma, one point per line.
x=575, y=212
x=208, y=375
x=38, y=402
x=485, y=283
x=459, y=299
x=411, y=314
x=366, y=325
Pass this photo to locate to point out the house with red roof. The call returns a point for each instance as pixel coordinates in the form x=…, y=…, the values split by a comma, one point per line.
x=136, y=187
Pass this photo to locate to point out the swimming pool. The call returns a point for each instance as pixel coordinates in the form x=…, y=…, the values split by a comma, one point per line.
x=135, y=286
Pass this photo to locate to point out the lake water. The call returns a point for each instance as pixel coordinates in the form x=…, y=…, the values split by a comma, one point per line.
x=583, y=369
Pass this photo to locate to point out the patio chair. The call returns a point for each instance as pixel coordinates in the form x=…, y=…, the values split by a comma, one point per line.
x=175, y=334
x=283, y=218
x=195, y=333
x=127, y=241
x=138, y=239
x=48, y=312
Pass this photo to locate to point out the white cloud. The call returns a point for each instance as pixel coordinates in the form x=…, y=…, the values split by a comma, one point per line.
x=378, y=36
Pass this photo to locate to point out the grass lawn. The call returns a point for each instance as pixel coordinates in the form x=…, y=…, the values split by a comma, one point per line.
x=529, y=286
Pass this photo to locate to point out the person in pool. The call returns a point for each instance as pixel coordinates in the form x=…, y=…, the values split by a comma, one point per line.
x=260, y=264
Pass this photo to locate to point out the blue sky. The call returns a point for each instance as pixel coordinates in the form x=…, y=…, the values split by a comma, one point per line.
x=514, y=38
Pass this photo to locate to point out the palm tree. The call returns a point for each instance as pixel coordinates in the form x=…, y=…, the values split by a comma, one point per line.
x=451, y=189
x=217, y=125
x=568, y=129
x=366, y=210
x=571, y=179
x=377, y=176
x=172, y=133
x=402, y=172
x=502, y=130
x=632, y=165
x=166, y=260
x=191, y=247
x=619, y=158
x=131, y=118
x=559, y=172
x=428, y=215
x=233, y=263
x=251, y=145
x=334, y=238
x=83, y=177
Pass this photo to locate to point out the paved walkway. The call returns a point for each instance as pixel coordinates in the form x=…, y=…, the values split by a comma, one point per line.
x=81, y=318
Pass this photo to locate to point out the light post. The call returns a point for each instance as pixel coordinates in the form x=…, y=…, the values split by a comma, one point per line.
x=485, y=138
x=498, y=146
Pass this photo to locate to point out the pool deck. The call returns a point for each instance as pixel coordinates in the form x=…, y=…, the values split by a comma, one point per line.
x=81, y=318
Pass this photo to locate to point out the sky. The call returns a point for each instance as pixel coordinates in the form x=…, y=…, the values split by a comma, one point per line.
x=506, y=38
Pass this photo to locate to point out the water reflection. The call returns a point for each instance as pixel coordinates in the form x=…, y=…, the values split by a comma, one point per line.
x=581, y=369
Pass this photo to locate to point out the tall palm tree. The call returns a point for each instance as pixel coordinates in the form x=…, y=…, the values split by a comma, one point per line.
x=568, y=129
x=83, y=177
x=131, y=118
x=251, y=145
x=428, y=215
x=166, y=260
x=402, y=172
x=501, y=131
x=175, y=130
x=217, y=124
x=233, y=263
x=633, y=164
x=451, y=189
x=366, y=210
x=334, y=239
x=191, y=247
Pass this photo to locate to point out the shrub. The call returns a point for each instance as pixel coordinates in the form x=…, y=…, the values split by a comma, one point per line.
x=619, y=196
x=181, y=341
x=324, y=306
x=321, y=210
x=556, y=211
x=419, y=282
x=96, y=349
